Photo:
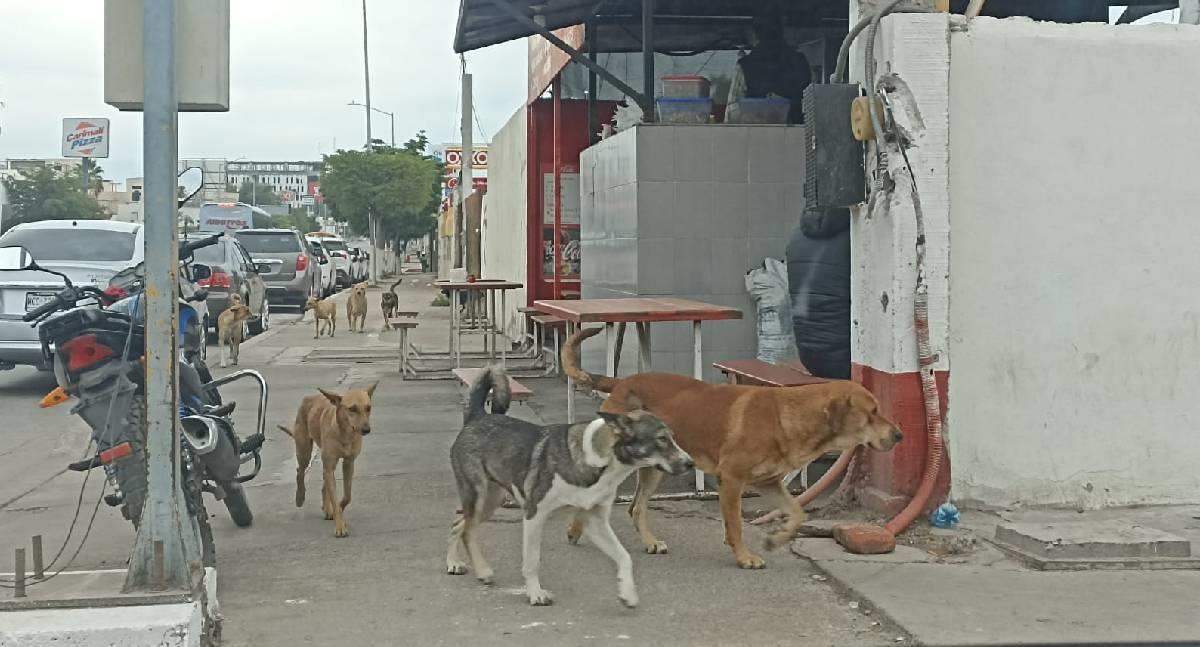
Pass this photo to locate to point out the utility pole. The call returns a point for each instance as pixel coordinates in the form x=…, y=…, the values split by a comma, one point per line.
x=166, y=533
x=464, y=184
x=367, y=78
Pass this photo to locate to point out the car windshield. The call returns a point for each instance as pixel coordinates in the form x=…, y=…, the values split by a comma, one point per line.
x=82, y=244
x=334, y=245
x=268, y=242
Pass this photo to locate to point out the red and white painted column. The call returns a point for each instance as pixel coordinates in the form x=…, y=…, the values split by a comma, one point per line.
x=913, y=56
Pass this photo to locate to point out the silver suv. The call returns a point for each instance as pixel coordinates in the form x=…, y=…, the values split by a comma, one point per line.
x=293, y=275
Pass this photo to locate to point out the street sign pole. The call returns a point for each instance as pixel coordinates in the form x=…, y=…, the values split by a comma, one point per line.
x=164, y=520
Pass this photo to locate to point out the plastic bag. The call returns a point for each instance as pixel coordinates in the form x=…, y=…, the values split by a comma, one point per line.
x=768, y=286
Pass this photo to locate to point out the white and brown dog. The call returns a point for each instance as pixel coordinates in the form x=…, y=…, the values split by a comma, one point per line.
x=231, y=328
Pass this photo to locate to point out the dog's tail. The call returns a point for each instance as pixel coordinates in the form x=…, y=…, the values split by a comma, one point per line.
x=285, y=430
x=395, y=285
x=570, y=363
x=493, y=379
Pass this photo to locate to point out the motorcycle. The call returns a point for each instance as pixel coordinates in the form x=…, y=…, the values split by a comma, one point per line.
x=96, y=340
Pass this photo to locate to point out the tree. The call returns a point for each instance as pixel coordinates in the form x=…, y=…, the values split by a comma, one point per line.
x=47, y=193
x=297, y=218
x=397, y=185
x=263, y=195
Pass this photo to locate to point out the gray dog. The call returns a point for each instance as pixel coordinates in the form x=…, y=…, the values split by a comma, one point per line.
x=547, y=468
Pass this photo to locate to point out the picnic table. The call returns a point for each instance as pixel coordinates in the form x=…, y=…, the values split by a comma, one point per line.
x=641, y=311
x=488, y=324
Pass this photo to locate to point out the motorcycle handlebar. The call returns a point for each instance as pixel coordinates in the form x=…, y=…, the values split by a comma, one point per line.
x=190, y=246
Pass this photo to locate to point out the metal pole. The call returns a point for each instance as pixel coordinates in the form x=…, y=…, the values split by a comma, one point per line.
x=367, y=74
x=593, y=88
x=648, y=59
x=39, y=565
x=468, y=151
x=164, y=517
x=393, y=117
x=556, y=128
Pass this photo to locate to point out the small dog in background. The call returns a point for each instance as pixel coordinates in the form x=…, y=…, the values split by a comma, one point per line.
x=336, y=424
x=231, y=328
x=389, y=302
x=324, y=315
x=356, y=306
x=546, y=468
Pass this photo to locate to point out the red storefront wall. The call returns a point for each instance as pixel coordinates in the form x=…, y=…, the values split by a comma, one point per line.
x=573, y=139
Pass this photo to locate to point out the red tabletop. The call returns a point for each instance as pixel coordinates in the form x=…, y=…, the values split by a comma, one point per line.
x=481, y=284
x=636, y=309
x=768, y=374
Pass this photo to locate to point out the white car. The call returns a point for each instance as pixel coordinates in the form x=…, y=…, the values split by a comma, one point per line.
x=328, y=281
x=339, y=254
x=88, y=251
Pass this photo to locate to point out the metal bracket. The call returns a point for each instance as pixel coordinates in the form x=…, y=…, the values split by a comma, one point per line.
x=516, y=14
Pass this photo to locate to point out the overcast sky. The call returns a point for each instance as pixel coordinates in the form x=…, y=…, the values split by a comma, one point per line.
x=294, y=66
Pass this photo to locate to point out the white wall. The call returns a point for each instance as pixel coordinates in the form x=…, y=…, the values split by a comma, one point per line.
x=505, y=245
x=1075, y=316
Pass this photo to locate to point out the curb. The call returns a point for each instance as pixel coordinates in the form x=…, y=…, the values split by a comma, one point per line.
x=887, y=623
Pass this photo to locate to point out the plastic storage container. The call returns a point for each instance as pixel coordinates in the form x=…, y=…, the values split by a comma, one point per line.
x=685, y=86
x=747, y=110
x=680, y=110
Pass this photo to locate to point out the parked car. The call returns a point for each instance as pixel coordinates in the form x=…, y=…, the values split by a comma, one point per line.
x=340, y=253
x=328, y=280
x=90, y=252
x=233, y=272
x=294, y=274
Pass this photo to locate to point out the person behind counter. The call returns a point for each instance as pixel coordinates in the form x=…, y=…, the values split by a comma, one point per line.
x=772, y=68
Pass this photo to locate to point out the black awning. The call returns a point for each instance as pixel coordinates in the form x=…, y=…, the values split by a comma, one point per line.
x=683, y=25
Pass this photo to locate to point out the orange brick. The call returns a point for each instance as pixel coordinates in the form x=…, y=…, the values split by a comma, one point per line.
x=865, y=539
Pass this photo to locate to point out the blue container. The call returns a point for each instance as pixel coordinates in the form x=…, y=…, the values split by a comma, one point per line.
x=748, y=110
x=684, y=110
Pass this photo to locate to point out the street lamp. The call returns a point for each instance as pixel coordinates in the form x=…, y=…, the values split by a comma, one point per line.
x=392, y=115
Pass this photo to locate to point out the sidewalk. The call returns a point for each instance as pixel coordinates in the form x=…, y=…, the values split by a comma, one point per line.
x=288, y=581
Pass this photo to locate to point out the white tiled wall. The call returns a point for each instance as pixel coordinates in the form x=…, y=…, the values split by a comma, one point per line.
x=687, y=211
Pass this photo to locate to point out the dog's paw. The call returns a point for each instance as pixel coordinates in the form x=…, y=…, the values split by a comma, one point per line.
x=574, y=533
x=657, y=548
x=456, y=568
x=540, y=598
x=751, y=561
x=486, y=577
x=341, y=531
x=777, y=539
x=628, y=596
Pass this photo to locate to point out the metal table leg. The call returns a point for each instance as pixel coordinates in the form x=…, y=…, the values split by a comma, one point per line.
x=610, y=355
x=503, y=327
x=570, y=383
x=698, y=373
x=643, y=334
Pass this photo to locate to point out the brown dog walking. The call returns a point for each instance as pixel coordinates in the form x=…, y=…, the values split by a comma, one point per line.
x=336, y=423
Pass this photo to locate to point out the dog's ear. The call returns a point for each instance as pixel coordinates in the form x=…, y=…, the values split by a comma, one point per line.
x=836, y=408
x=633, y=403
x=332, y=397
x=371, y=390
x=618, y=422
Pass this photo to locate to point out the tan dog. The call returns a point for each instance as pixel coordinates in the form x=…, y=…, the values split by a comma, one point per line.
x=324, y=312
x=336, y=424
x=231, y=329
x=356, y=306
x=744, y=435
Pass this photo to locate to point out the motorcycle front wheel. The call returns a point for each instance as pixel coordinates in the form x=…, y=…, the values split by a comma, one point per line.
x=235, y=501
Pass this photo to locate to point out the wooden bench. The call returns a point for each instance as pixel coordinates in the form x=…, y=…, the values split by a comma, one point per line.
x=467, y=377
x=759, y=373
x=756, y=372
x=404, y=325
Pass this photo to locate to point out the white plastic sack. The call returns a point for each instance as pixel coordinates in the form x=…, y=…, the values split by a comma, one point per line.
x=768, y=286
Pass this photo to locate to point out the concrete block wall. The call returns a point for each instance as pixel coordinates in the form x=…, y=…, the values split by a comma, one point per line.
x=686, y=211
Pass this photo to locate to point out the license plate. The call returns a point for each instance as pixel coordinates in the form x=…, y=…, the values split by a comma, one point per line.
x=35, y=300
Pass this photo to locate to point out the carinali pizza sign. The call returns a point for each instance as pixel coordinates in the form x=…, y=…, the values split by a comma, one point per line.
x=85, y=137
